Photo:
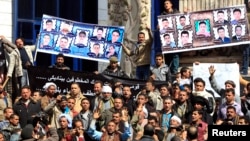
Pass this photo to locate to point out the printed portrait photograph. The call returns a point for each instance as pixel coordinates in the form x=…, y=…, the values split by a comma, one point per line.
x=185, y=38
x=167, y=40
x=202, y=28
x=115, y=36
x=111, y=50
x=66, y=28
x=221, y=17
x=81, y=39
x=221, y=35
x=96, y=49
x=238, y=32
x=182, y=21
x=49, y=25
x=99, y=34
x=63, y=44
x=237, y=15
x=46, y=40
x=165, y=24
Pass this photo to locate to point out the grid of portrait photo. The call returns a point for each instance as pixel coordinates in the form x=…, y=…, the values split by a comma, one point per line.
x=80, y=39
x=203, y=29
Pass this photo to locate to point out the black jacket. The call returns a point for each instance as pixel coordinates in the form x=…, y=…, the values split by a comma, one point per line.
x=26, y=113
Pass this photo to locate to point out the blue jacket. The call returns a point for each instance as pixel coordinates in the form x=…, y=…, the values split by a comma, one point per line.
x=96, y=135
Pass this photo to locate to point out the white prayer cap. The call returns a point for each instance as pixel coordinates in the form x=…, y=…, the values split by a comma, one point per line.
x=46, y=86
x=106, y=89
x=176, y=118
x=68, y=117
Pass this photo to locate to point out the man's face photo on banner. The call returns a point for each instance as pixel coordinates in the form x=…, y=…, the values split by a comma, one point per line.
x=82, y=37
x=49, y=25
x=238, y=31
x=114, y=35
x=46, y=41
x=96, y=49
x=184, y=37
x=167, y=40
x=110, y=50
x=66, y=27
x=99, y=33
x=221, y=32
x=220, y=16
x=182, y=21
x=63, y=44
x=202, y=27
x=237, y=14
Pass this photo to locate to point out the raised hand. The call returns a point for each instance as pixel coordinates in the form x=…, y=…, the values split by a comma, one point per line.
x=125, y=114
x=96, y=114
x=211, y=70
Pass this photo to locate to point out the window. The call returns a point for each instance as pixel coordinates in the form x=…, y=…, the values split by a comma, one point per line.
x=29, y=19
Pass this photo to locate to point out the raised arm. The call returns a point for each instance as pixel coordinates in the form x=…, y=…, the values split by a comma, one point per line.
x=212, y=80
x=127, y=50
x=8, y=45
x=93, y=133
x=150, y=34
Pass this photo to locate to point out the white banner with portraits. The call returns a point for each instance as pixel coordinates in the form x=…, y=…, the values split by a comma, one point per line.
x=79, y=40
x=204, y=29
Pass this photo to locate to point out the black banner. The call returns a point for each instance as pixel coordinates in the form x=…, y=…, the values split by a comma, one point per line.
x=38, y=76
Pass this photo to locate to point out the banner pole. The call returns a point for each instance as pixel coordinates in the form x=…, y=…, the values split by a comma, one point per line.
x=5, y=82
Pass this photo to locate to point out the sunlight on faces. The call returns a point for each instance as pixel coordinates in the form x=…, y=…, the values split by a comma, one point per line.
x=111, y=127
x=36, y=96
x=167, y=104
x=231, y=113
x=168, y=5
x=75, y=89
x=51, y=90
x=85, y=105
x=71, y=103
x=25, y=93
x=126, y=92
x=141, y=38
x=8, y=113
x=199, y=86
x=97, y=88
x=164, y=91
x=118, y=103
x=63, y=122
x=19, y=43
x=196, y=116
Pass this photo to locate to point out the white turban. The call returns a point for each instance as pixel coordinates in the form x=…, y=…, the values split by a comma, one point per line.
x=68, y=117
x=48, y=84
x=176, y=118
x=106, y=89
